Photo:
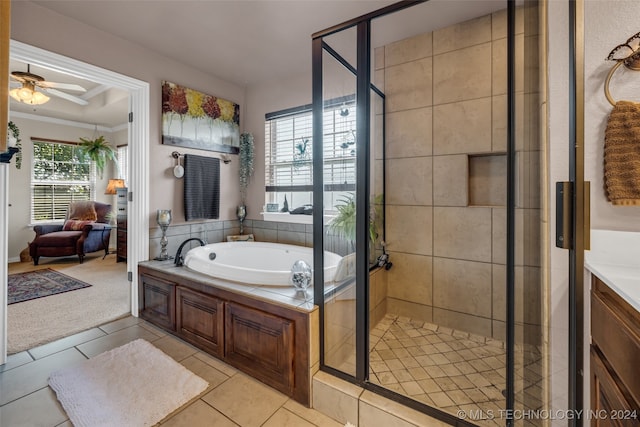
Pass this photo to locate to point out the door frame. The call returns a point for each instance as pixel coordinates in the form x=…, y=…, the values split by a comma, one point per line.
x=138, y=137
x=580, y=215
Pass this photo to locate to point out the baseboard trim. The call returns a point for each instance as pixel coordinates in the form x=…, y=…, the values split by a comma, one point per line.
x=14, y=259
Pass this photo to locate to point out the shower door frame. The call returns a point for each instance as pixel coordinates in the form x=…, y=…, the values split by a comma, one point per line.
x=363, y=87
x=580, y=212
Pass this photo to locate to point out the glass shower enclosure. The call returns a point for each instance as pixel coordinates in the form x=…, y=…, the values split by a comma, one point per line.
x=429, y=175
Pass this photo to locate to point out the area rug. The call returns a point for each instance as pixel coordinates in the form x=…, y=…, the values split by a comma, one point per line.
x=40, y=283
x=134, y=385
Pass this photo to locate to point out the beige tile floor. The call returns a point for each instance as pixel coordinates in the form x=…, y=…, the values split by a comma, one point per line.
x=449, y=369
x=233, y=398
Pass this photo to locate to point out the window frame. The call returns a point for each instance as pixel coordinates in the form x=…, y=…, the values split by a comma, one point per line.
x=122, y=156
x=35, y=182
x=346, y=164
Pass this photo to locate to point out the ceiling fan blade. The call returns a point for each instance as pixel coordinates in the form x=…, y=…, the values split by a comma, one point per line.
x=65, y=86
x=67, y=96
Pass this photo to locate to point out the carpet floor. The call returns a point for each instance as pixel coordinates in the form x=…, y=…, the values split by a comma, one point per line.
x=40, y=284
x=40, y=321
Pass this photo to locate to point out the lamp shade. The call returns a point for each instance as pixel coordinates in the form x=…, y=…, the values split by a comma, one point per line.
x=28, y=95
x=113, y=185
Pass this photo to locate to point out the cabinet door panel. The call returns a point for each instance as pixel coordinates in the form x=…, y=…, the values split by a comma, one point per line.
x=608, y=404
x=200, y=320
x=619, y=344
x=261, y=344
x=158, y=301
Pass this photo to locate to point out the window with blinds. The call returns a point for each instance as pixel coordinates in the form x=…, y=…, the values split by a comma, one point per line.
x=122, y=154
x=288, y=152
x=60, y=174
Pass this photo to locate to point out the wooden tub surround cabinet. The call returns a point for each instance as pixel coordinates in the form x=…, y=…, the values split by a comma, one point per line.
x=261, y=331
x=615, y=358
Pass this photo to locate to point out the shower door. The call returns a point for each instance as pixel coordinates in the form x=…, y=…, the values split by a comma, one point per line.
x=430, y=174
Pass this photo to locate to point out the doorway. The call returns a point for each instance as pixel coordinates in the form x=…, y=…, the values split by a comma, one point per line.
x=138, y=248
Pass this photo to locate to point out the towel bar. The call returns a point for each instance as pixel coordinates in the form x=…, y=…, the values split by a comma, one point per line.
x=224, y=157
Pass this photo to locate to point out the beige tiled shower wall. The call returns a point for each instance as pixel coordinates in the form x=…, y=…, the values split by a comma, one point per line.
x=446, y=109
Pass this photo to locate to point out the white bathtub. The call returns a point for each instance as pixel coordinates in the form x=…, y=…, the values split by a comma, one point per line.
x=257, y=263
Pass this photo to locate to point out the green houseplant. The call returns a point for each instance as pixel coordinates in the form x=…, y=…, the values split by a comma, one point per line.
x=14, y=132
x=245, y=159
x=99, y=151
x=343, y=224
x=245, y=170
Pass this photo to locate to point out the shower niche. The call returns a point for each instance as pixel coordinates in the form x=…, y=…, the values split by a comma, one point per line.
x=487, y=180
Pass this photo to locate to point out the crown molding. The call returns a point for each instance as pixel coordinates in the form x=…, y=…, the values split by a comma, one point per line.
x=45, y=119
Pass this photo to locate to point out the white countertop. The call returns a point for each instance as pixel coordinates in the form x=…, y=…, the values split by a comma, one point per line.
x=615, y=258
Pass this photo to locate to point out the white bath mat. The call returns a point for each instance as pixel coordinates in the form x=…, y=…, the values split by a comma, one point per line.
x=134, y=385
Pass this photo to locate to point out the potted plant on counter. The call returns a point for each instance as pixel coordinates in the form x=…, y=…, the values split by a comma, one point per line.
x=343, y=224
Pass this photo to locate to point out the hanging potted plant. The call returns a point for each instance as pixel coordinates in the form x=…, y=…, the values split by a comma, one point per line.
x=99, y=151
x=13, y=139
x=245, y=172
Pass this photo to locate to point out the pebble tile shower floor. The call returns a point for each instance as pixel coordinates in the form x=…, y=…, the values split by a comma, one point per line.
x=444, y=368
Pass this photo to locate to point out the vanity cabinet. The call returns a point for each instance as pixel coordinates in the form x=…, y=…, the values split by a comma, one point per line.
x=269, y=341
x=199, y=320
x=158, y=301
x=615, y=358
x=261, y=342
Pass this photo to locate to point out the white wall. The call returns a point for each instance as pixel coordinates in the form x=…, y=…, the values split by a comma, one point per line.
x=42, y=28
x=607, y=24
x=558, y=161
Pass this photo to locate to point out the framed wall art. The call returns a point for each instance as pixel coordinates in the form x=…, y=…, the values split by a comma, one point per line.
x=196, y=120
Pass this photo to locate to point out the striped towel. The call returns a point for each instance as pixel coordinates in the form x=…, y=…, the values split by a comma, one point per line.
x=622, y=154
x=201, y=187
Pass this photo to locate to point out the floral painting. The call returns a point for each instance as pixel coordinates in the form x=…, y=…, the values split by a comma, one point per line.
x=196, y=120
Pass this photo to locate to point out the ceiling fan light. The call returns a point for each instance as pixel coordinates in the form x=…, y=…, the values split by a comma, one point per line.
x=14, y=94
x=38, y=98
x=25, y=93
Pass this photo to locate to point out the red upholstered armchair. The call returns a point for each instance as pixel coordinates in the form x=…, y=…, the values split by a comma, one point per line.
x=85, y=230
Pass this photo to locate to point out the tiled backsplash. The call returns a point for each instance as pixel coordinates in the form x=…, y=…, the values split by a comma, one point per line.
x=263, y=231
x=217, y=231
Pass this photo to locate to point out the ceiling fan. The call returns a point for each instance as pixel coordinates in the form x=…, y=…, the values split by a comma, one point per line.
x=34, y=88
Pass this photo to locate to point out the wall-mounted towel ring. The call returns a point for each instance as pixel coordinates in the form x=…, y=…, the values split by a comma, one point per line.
x=178, y=170
x=627, y=53
x=608, y=80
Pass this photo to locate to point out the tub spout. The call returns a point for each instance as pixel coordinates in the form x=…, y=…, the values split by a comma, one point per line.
x=179, y=257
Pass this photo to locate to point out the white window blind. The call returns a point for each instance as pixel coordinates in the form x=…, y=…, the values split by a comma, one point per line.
x=289, y=146
x=60, y=174
x=122, y=155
